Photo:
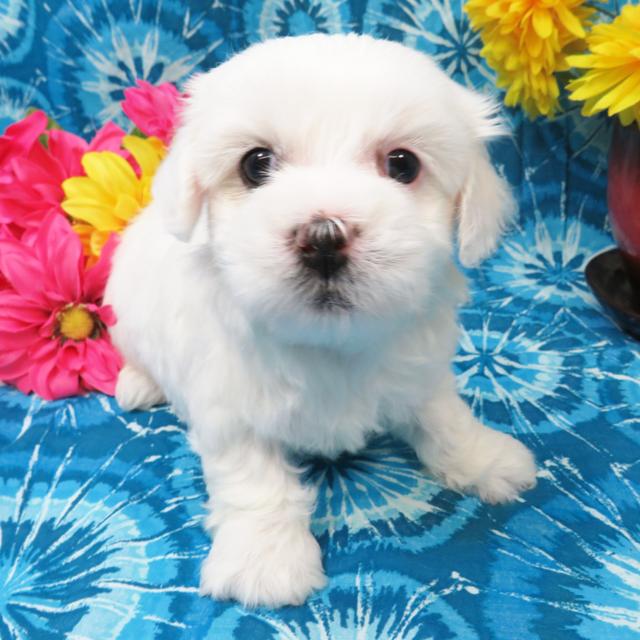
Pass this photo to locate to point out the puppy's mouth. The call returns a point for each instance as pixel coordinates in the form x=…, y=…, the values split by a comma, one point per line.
x=323, y=296
x=330, y=300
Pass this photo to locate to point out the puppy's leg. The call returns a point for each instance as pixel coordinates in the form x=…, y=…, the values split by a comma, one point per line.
x=468, y=456
x=136, y=390
x=263, y=552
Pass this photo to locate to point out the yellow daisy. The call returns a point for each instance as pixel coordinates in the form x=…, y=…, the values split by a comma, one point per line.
x=612, y=79
x=111, y=194
x=526, y=43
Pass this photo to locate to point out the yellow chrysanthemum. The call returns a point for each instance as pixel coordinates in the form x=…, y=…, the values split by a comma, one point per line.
x=612, y=81
x=111, y=193
x=526, y=43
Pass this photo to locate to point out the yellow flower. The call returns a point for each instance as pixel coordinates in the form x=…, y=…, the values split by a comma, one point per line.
x=526, y=43
x=111, y=193
x=612, y=79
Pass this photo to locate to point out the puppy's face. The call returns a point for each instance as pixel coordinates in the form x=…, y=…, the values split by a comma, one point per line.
x=334, y=171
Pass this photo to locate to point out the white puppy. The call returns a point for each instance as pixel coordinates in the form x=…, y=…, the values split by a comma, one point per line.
x=292, y=286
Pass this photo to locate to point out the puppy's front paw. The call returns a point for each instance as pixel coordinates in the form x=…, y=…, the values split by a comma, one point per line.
x=262, y=567
x=136, y=390
x=497, y=468
x=512, y=471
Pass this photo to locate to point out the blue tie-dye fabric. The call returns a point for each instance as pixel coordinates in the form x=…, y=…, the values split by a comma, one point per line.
x=101, y=511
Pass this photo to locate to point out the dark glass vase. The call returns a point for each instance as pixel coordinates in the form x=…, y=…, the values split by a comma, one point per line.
x=623, y=194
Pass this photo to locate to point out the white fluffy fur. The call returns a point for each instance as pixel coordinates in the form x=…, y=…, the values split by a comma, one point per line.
x=213, y=311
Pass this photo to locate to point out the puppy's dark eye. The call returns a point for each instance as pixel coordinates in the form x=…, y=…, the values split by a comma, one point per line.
x=402, y=165
x=256, y=166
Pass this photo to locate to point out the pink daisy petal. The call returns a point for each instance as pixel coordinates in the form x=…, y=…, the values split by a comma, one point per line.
x=9, y=324
x=109, y=138
x=95, y=279
x=31, y=181
x=102, y=366
x=66, y=258
x=153, y=109
x=14, y=306
x=67, y=149
x=13, y=364
x=21, y=136
x=50, y=382
x=107, y=315
x=22, y=383
x=63, y=383
x=38, y=166
x=45, y=348
x=22, y=270
x=72, y=355
x=38, y=377
x=22, y=339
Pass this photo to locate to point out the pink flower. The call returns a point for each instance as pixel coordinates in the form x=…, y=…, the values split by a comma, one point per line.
x=20, y=137
x=53, y=328
x=31, y=174
x=153, y=109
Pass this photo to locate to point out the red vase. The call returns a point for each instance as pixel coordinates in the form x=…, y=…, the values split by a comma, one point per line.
x=623, y=194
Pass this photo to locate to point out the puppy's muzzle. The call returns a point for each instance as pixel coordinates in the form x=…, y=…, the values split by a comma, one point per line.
x=323, y=244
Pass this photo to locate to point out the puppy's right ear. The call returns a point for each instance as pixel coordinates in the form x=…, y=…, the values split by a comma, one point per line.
x=485, y=202
x=176, y=190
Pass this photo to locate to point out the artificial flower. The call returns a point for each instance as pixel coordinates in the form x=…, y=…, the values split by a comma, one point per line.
x=153, y=109
x=111, y=193
x=612, y=79
x=526, y=42
x=21, y=136
x=17, y=144
x=53, y=328
x=32, y=173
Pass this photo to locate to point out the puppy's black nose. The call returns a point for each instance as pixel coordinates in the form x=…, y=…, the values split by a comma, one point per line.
x=322, y=244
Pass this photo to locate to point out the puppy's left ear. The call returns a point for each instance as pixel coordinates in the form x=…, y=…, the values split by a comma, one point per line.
x=176, y=189
x=177, y=186
x=485, y=204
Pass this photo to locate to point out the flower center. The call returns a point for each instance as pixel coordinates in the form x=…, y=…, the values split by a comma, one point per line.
x=76, y=323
